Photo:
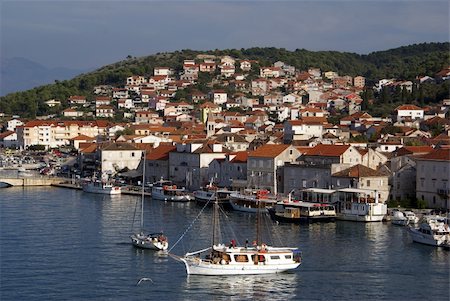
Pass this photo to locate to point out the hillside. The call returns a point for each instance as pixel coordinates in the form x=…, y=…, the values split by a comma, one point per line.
x=403, y=63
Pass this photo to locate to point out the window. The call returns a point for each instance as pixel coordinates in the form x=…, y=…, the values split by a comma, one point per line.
x=274, y=257
x=287, y=256
x=304, y=183
x=368, y=183
x=132, y=154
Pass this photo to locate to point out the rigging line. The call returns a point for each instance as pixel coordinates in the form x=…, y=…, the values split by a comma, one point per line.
x=229, y=228
x=189, y=227
x=134, y=216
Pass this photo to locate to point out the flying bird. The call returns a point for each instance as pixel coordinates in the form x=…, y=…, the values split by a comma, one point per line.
x=144, y=279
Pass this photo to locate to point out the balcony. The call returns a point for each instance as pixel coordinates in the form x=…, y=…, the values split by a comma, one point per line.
x=443, y=192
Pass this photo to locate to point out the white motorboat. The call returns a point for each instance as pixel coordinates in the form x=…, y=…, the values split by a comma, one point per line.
x=360, y=205
x=220, y=260
x=399, y=218
x=252, y=201
x=153, y=241
x=433, y=231
x=411, y=216
x=166, y=191
x=97, y=186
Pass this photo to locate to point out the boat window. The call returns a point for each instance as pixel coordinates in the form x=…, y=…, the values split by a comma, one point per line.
x=287, y=256
x=274, y=257
x=241, y=258
x=261, y=258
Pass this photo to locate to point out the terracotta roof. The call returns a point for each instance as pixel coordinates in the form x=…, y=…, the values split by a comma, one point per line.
x=6, y=134
x=241, y=157
x=408, y=107
x=328, y=150
x=303, y=149
x=359, y=171
x=408, y=150
x=161, y=152
x=440, y=154
x=119, y=146
x=268, y=150
x=88, y=148
x=83, y=138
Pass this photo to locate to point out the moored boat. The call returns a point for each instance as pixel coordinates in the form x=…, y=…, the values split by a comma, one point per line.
x=360, y=205
x=398, y=218
x=210, y=193
x=164, y=190
x=97, y=186
x=433, y=231
x=252, y=201
x=299, y=211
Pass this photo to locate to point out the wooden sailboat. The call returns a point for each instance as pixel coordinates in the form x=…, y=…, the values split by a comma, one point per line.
x=153, y=241
x=220, y=259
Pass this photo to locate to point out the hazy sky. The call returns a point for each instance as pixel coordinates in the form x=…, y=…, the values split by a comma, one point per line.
x=86, y=34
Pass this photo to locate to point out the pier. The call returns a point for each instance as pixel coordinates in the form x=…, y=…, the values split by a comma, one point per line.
x=31, y=181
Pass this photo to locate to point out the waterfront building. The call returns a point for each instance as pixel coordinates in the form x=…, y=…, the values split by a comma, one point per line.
x=432, y=178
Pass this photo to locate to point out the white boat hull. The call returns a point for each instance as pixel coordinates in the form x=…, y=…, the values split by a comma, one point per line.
x=431, y=240
x=176, y=198
x=399, y=222
x=99, y=190
x=195, y=267
x=359, y=218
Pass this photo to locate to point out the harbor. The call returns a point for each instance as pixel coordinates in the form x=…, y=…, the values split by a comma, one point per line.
x=65, y=230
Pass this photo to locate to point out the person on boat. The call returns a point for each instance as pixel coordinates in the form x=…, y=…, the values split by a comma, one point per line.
x=246, y=243
x=233, y=243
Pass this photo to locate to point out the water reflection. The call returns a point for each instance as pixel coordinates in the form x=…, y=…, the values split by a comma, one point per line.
x=255, y=287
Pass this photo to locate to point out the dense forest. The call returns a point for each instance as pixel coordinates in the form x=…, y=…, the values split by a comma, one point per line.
x=402, y=63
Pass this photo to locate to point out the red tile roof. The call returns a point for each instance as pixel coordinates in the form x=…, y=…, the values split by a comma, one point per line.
x=359, y=171
x=241, y=157
x=161, y=152
x=328, y=150
x=268, y=150
x=440, y=154
x=409, y=108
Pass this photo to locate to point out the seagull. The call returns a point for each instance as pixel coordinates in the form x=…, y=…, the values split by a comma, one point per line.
x=144, y=279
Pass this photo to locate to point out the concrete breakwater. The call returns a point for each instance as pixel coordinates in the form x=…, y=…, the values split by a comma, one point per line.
x=31, y=181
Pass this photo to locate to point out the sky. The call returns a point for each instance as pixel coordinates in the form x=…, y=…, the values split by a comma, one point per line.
x=88, y=34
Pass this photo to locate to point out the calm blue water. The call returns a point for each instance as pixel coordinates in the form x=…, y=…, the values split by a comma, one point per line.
x=65, y=244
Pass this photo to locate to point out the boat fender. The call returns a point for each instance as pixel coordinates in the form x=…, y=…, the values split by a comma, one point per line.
x=222, y=261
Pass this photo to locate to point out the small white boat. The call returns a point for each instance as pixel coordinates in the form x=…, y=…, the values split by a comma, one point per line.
x=97, y=186
x=411, y=216
x=399, y=218
x=252, y=201
x=165, y=191
x=433, y=231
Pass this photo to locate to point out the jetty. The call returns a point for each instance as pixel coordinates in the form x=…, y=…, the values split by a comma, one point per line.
x=31, y=181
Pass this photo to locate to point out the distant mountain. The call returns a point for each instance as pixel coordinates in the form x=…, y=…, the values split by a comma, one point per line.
x=18, y=74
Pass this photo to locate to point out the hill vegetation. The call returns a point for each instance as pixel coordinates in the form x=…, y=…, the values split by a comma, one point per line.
x=402, y=63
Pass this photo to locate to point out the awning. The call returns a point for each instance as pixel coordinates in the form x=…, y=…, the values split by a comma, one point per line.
x=131, y=173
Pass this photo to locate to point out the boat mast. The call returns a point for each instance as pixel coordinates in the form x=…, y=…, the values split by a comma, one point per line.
x=213, y=240
x=258, y=223
x=142, y=193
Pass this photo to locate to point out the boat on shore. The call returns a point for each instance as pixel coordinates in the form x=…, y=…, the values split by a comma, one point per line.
x=252, y=201
x=164, y=190
x=300, y=211
x=433, y=231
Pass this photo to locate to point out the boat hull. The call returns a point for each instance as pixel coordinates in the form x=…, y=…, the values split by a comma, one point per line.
x=110, y=191
x=359, y=218
x=177, y=198
x=145, y=242
x=425, y=239
x=209, y=269
x=246, y=209
x=303, y=219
